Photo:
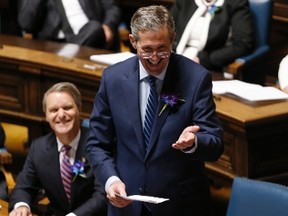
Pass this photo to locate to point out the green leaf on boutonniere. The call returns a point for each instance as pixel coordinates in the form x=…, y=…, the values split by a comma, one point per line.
x=171, y=101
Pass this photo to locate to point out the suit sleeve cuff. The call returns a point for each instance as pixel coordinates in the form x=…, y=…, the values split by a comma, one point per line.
x=110, y=181
x=192, y=149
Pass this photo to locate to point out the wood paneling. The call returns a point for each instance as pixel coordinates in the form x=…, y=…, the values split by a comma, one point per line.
x=29, y=67
x=255, y=140
x=255, y=135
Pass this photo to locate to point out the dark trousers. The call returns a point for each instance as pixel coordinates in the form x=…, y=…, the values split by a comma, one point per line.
x=145, y=211
x=92, y=34
x=3, y=187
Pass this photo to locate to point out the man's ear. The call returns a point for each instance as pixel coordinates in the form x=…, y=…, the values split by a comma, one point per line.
x=132, y=41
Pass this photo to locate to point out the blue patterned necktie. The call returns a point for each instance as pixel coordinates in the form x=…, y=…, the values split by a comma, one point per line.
x=66, y=171
x=151, y=110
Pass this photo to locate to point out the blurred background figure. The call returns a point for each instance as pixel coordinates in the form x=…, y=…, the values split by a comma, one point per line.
x=283, y=74
x=213, y=32
x=8, y=17
x=2, y=137
x=87, y=22
x=5, y=157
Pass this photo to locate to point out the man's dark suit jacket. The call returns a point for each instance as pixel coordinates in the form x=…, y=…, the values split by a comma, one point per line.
x=42, y=170
x=116, y=144
x=42, y=19
x=234, y=14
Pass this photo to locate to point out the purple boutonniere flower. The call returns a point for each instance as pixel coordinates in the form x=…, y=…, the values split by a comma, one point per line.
x=79, y=169
x=171, y=101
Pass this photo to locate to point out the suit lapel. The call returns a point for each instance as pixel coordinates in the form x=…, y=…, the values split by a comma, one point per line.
x=53, y=169
x=86, y=6
x=169, y=87
x=65, y=23
x=80, y=149
x=78, y=157
x=157, y=126
x=130, y=88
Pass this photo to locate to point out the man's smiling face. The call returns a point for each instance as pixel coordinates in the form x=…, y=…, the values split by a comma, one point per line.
x=153, y=49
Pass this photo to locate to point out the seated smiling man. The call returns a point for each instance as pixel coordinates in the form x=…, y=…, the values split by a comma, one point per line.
x=47, y=164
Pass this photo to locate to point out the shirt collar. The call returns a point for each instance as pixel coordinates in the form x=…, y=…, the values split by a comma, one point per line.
x=73, y=144
x=218, y=3
x=144, y=73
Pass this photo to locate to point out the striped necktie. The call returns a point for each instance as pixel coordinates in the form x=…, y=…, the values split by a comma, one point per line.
x=151, y=110
x=66, y=171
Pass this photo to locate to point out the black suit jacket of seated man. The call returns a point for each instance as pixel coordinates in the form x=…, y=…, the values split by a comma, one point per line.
x=41, y=170
x=44, y=19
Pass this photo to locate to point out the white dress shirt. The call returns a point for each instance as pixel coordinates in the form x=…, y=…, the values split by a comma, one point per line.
x=72, y=154
x=195, y=34
x=75, y=16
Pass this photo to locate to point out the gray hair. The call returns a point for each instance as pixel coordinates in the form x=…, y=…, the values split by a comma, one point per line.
x=67, y=87
x=152, y=18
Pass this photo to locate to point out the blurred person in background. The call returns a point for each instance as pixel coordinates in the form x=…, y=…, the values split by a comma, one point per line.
x=91, y=23
x=3, y=151
x=283, y=74
x=8, y=18
x=213, y=32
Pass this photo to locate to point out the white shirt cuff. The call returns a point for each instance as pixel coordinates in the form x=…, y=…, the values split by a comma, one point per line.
x=110, y=181
x=19, y=204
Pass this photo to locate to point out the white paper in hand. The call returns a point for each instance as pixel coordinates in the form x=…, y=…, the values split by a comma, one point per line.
x=141, y=198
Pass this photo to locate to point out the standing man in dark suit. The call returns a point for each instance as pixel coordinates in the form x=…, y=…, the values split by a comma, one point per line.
x=186, y=131
x=87, y=22
x=62, y=105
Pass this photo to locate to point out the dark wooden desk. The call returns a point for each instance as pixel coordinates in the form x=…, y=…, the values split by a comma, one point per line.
x=255, y=138
x=29, y=67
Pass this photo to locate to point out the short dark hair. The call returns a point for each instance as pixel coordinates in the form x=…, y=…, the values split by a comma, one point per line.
x=152, y=18
x=67, y=87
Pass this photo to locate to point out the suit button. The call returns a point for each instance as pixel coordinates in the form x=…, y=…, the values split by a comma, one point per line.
x=142, y=190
